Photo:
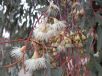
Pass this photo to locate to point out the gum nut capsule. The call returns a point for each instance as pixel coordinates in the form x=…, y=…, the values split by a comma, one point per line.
x=68, y=34
x=71, y=33
x=52, y=44
x=68, y=45
x=54, y=49
x=56, y=44
x=35, y=55
x=78, y=12
x=83, y=37
x=82, y=11
x=62, y=33
x=80, y=44
x=76, y=16
x=54, y=53
x=54, y=64
x=81, y=51
x=77, y=37
x=23, y=48
x=63, y=42
x=65, y=38
x=74, y=11
x=69, y=40
x=58, y=41
x=66, y=41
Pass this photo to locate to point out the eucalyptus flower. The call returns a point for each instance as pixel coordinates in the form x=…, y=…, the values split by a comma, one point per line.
x=18, y=52
x=44, y=32
x=58, y=25
x=35, y=64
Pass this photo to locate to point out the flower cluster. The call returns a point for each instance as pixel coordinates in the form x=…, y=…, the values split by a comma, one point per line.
x=46, y=30
x=50, y=36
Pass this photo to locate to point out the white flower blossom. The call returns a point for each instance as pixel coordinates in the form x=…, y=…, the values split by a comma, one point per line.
x=58, y=25
x=35, y=64
x=16, y=53
x=43, y=32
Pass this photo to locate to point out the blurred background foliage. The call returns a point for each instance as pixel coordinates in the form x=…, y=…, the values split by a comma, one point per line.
x=17, y=17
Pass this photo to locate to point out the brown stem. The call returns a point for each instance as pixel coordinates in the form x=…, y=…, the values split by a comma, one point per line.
x=14, y=63
x=23, y=48
x=36, y=54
